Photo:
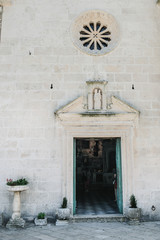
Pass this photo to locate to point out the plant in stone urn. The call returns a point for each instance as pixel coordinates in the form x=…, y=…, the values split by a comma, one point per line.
x=134, y=213
x=133, y=201
x=64, y=203
x=19, y=182
x=41, y=219
x=17, y=187
x=64, y=212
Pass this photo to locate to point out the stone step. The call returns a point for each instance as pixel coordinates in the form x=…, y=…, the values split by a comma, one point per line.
x=99, y=218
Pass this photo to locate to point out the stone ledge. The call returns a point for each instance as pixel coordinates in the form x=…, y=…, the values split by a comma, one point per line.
x=62, y=222
x=99, y=218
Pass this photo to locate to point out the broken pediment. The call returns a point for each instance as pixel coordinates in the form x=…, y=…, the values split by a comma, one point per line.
x=76, y=112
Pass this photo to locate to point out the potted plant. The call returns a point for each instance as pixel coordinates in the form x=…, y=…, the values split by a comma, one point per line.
x=41, y=219
x=17, y=187
x=134, y=213
x=64, y=212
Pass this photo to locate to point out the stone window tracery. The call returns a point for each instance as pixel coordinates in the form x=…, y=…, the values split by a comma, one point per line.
x=95, y=36
x=95, y=32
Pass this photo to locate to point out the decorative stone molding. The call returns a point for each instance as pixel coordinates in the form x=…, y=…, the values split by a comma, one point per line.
x=95, y=32
x=120, y=112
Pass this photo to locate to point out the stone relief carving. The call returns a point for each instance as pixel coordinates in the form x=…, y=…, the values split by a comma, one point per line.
x=97, y=99
x=96, y=96
x=109, y=103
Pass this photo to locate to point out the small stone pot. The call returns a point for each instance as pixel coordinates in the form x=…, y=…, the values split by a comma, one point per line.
x=63, y=213
x=134, y=213
x=40, y=222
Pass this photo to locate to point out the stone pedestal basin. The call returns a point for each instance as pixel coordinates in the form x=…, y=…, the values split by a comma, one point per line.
x=16, y=220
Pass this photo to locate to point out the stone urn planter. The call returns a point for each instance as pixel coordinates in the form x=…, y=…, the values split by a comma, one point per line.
x=40, y=222
x=134, y=213
x=41, y=219
x=64, y=212
x=16, y=220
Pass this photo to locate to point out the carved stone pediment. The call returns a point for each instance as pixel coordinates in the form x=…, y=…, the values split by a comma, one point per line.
x=119, y=113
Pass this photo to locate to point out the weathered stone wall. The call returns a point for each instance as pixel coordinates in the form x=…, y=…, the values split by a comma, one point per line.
x=36, y=50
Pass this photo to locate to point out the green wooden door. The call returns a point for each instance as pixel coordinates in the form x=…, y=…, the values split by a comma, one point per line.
x=74, y=176
x=119, y=175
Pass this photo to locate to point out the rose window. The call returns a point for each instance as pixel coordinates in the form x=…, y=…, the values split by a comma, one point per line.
x=95, y=32
x=95, y=36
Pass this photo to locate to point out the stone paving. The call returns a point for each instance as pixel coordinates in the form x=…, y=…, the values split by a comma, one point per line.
x=85, y=231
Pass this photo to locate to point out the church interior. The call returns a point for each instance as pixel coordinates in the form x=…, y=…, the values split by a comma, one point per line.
x=95, y=167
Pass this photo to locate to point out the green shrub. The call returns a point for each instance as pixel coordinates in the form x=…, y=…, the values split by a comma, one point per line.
x=21, y=181
x=133, y=201
x=64, y=204
x=41, y=215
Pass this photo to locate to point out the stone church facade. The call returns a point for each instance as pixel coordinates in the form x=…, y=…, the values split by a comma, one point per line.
x=74, y=70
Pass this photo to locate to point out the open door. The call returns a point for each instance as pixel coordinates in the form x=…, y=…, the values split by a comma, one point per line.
x=119, y=175
x=74, y=176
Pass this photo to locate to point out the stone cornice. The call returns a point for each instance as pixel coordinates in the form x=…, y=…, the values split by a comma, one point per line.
x=120, y=114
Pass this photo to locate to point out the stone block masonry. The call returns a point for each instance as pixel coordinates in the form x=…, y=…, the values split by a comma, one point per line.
x=36, y=50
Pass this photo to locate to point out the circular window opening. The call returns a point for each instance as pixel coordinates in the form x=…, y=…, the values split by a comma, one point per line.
x=95, y=36
x=95, y=32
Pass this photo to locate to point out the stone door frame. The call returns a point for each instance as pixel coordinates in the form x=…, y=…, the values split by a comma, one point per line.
x=111, y=131
x=74, y=121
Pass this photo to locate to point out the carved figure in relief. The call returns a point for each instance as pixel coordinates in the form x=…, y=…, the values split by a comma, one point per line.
x=97, y=98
